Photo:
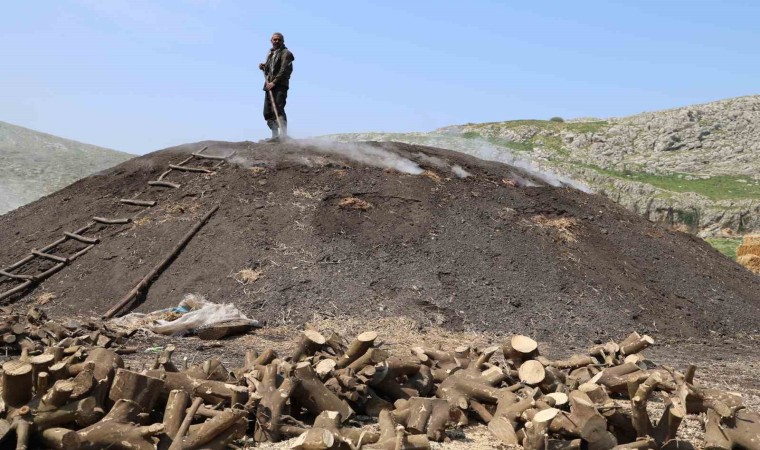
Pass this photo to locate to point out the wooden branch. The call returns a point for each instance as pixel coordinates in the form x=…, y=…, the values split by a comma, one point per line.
x=161, y=183
x=106, y=221
x=135, y=202
x=190, y=169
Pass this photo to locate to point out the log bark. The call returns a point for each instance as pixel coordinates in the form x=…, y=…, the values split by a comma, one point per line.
x=174, y=413
x=60, y=438
x=315, y=397
x=84, y=413
x=185, y=425
x=270, y=409
x=117, y=430
x=141, y=389
x=224, y=329
x=428, y=416
x=228, y=419
x=740, y=431
x=639, y=415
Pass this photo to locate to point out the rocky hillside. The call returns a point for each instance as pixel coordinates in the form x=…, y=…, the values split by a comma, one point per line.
x=696, y=167
x=36, y=164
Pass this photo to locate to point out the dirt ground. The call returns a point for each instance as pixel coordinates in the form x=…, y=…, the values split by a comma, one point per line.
x=330, y=233
x=419, y=244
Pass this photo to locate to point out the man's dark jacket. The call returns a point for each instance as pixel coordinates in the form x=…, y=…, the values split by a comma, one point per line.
x=279, y=66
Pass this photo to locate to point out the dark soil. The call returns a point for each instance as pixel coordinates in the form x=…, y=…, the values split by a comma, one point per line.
x=496, y=251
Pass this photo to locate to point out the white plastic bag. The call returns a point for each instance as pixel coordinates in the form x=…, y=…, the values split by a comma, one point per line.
x=194, y=312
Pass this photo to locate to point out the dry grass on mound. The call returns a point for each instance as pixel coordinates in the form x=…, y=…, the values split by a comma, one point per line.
x=355, y=203
x=751, y=262
x=248, y=276
x=564, y=226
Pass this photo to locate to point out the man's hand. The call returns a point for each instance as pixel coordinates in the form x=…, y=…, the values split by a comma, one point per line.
x=269, y=86
x=262, y=66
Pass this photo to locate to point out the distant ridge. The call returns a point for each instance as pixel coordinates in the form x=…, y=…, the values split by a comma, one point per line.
x=36, y=164
x=695, y=167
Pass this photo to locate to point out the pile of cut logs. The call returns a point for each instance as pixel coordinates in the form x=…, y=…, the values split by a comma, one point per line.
x=34, y=334
x=325, y=391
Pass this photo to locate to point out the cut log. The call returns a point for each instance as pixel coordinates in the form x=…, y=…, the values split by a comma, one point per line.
x=740, y=431
x=17, y=383
x=639, y=415
x=636, y=345
x=83, y=413
x=315, y=397
x=519, y=349
x=215, y=427
x=428, y=416
x=185, y=425
x=310, y=342
x=175, y=412
x=358, y=347
x=392, y=436
x=224, y=329
x=61, y=438
x=531, y=372
x=270, y=409
x=117, y=430
x=141, y=389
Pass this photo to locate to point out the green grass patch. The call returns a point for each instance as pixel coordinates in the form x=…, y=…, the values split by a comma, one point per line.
x=577, y=127
x=727, y=246
x=500, y=142
x=719, y=187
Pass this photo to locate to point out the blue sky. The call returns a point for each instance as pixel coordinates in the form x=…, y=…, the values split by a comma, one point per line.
x=142, y=75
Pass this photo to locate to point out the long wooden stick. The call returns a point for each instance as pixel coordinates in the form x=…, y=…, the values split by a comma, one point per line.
x=274, y=105
x=145, y=283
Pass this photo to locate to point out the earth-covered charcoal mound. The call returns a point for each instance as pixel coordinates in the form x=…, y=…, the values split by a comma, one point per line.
x=371, y=230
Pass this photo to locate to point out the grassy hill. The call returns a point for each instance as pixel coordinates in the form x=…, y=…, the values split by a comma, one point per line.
x=696, y=168
x=36, y=164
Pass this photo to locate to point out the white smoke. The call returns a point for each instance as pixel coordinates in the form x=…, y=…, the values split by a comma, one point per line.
x=479, y=148
x=363, y=153
x=459, y=171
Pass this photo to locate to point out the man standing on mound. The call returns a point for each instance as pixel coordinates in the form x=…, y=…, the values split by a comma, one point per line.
x=277, y=70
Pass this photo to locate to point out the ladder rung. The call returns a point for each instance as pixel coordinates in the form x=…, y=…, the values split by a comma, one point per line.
x=190, y=169
x=49, y=256
x=215, y=157
x=131, y=201
x=160, y=183
x=103, y=220
x=16, y=276
x=80, y=238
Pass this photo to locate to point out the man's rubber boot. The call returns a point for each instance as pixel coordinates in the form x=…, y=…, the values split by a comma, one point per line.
x=283, y=131
x=275, y=134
